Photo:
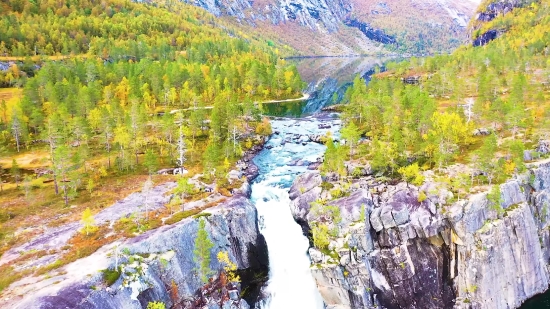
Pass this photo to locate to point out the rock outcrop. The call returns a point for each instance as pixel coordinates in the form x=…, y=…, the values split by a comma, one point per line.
x=490, y=12
x=338, y=23
x=159, y=266
x=370, y=32
x=401, y=246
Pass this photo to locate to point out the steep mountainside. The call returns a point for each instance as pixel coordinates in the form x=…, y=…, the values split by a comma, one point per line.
x=352, y=26
x=444, y=203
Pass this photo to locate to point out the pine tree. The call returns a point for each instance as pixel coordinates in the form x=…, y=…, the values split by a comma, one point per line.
x=351, y=134
x=62, y=158
x=485, y=156
x=181, y=147
x=184, y=189
x=211, y=157
x=17, y=128
x=54, y=133
x=15, y=172
x=203, y=245
x=151, y=161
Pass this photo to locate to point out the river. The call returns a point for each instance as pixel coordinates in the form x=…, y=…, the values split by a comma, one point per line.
x=286, y=155
x=541, y=301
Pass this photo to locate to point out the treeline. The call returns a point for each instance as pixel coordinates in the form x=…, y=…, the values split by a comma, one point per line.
x=158, y=85
x=425, y=111
x=111, y=27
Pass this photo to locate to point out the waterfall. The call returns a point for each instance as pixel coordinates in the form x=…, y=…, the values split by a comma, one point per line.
x=285, y=156
x=290, y=282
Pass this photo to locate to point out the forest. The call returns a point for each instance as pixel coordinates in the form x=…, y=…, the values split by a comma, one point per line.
x=479, y=106
x=99, y=95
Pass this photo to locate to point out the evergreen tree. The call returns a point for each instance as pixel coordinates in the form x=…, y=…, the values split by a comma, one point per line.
x=184, y=189
x=63, y=170
x=17, y=128
x=351, y=134
x=485, y=156
x=151, y=161
x=203, y=245
x=15, y=172
x=211, y=157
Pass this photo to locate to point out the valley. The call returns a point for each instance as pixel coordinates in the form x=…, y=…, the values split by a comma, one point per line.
x=274, y=154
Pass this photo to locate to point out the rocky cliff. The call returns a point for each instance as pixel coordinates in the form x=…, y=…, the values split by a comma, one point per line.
x=159, y=266
x=413, y=247
x=345, y=27
x=487, y=13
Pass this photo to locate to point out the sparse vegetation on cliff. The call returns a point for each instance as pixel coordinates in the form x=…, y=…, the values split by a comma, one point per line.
x=480, y=106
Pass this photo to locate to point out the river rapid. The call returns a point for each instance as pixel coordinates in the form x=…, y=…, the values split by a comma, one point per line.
x=286, y=155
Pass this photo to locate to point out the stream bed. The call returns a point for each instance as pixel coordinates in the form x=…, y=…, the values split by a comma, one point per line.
x=293, y=147
x=286, y=155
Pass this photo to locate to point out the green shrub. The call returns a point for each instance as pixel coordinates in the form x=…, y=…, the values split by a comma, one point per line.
x=201, y=215
x=320, y=236
x=338, y=193
x=110, y=276
x=422, y=196
x=495, y=199
x=177, y=217
x=326, y=186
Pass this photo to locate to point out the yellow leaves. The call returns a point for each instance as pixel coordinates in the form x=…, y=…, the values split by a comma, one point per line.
x=509, y=167
x=88, y=221
x=450, y=127
x=122, y=137
x=205, y=70
x=412, y=174
x=226, y=164
x=95, y=119
x=229, y=267
x=288, y=77
x=122, y=90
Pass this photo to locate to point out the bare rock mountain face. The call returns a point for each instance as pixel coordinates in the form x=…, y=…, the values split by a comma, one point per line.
x=487, y=13
x=159, y=266
x=401, y=246
x=342, y=27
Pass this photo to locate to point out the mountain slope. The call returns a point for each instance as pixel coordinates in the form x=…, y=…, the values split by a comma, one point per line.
x=416, y=26
x=460, y=217
x=120, y=90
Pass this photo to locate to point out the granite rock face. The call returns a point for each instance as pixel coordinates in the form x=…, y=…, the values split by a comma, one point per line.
x=349, y=26
x=417, y=250
x=168, y=274
x=491, y=11
x=309, y=13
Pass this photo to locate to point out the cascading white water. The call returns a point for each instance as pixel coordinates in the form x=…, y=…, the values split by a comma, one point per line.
x=291, y=284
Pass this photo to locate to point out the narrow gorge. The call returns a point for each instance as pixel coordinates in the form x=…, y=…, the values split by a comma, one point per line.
x=408, y=252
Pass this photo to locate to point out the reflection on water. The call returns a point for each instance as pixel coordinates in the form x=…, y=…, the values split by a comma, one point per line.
x=284, y=109
x=343, y=69
x=541, y=301
x=325, y=76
